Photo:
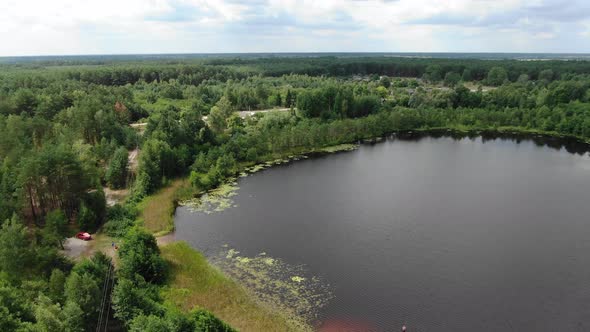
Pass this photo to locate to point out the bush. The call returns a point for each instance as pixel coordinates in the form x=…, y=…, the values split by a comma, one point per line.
x=97, y=266
x=119, y=211
x=133, y=299
x=198, y=321
x=140, y=255
x=118, y=227
x=205, y=321
x=150, y=323
x=120, y=220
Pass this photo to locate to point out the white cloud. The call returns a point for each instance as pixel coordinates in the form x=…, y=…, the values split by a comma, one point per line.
x=29, y=27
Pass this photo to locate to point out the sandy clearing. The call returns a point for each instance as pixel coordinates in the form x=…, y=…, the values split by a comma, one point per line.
x=74, y=247
x=164, y=240
x=113, y=196
x=244, y=114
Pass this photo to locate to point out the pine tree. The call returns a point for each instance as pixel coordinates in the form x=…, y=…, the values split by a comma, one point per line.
x=279, y=100
x=289, y=99
x=117, y=171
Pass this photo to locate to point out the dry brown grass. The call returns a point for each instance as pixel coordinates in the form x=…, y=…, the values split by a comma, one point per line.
x=195, y=283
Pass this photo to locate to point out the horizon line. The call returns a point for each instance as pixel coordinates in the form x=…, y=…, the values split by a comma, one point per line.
x=287, y=52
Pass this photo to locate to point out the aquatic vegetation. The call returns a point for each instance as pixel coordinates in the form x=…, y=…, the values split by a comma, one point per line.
x=243, y=260
x=338, y=148
x=231, y=253
x=216, y=200
x=220, y=198
x=268, y=261
x=194, y=282
x=297, y=279
x=255, y=168
x=286, y=287
x=295, y=157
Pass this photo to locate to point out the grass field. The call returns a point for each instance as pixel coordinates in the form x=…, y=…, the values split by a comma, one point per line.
x=157, y=210
x=195, y=283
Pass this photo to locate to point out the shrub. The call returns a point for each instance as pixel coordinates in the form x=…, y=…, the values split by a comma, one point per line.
x=120, y=220
x=140, y=255
x=205, y=321
x=134, y=299
x=118, y=227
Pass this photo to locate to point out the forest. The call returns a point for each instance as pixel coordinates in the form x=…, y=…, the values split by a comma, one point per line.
x=69, y=126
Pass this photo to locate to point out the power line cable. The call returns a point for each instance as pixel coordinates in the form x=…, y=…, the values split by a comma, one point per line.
x=109, y=301
x=104, y=291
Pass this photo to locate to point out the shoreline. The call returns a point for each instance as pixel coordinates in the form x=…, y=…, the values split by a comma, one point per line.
x=304, y=153
x=166, y=237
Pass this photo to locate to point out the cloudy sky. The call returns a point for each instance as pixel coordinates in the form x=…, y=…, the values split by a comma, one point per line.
x=44, y=27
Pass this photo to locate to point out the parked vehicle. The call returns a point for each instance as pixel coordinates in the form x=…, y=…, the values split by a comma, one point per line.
x=84, y=236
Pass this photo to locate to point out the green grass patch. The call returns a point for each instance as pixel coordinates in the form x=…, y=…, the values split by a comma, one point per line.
x=156, y=212
x=194, y=283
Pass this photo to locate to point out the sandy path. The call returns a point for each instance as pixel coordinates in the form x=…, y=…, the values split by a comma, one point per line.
x=164, y=240
x=133, y=159
x=244, y=114
x=140, y=127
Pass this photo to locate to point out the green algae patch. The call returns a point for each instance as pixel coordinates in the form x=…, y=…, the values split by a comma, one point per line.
x=297, y=279
x=255, y=168
x=231, y=253
x=338, y=148
x=243, y=260
x=295, y=157
x=268, y=261
x=216, y=200
x=279, y=285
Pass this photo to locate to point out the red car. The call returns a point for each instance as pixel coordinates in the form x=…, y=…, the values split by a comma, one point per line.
x=84, y=236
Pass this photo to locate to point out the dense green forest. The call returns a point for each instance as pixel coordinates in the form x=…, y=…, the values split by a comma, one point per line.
x=68, y=127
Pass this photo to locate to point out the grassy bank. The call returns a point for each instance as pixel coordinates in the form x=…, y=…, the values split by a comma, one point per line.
x=195, y=283
x=156, y=212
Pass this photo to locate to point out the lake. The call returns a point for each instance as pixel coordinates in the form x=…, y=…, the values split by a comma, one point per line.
x=439, y=233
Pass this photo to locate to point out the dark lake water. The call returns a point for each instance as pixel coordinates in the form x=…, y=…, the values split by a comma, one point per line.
x=441, y=234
